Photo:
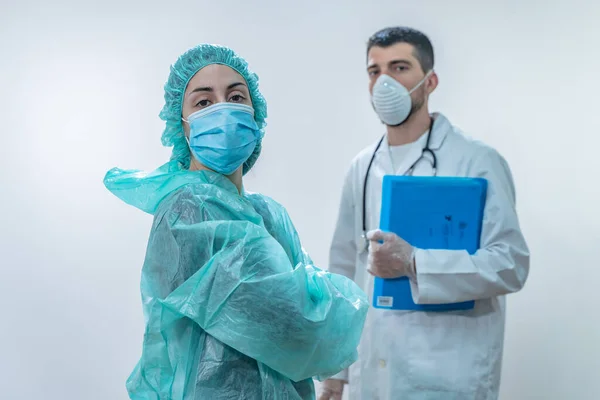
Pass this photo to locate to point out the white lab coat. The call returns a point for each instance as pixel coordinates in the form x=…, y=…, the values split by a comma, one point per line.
x=424, y=355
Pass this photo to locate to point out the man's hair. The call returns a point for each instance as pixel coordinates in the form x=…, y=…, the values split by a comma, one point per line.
x=400, y=34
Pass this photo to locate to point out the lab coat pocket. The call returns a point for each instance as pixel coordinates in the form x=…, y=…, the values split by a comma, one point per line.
x=445, y=358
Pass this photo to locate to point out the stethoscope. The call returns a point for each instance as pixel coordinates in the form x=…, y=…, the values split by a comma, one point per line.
x=426, y=149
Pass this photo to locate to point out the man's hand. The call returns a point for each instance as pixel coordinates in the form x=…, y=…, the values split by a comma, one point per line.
x=390, y=256
x=332, y=389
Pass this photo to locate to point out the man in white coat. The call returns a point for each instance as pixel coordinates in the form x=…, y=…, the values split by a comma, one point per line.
x=406, y=355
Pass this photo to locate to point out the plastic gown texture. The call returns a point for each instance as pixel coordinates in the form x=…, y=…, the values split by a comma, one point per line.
x=234, y=308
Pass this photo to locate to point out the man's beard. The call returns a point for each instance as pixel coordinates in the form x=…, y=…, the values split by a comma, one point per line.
x=416, y=105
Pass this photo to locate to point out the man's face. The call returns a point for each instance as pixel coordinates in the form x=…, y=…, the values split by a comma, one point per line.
x=399, y=62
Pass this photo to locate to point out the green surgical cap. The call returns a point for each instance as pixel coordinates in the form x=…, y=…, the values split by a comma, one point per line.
x=182, y=72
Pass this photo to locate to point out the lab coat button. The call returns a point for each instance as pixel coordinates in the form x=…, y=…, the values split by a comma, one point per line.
x=382, y=363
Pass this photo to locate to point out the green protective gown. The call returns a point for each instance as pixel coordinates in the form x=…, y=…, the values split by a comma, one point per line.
x=234, y=307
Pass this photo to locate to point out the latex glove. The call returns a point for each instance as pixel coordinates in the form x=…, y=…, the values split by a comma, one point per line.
x=332, y=389
x=393, y=258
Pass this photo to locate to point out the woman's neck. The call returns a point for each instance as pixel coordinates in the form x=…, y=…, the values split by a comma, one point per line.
x=235, y=178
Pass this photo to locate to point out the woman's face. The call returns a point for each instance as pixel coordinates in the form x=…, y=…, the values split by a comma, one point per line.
x=214, y=84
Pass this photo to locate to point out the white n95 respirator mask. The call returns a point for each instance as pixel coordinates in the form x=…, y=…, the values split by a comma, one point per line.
x=391, y=100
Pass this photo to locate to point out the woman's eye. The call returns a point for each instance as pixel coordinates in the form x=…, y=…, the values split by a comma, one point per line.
x=203, y=103
x=237, y=98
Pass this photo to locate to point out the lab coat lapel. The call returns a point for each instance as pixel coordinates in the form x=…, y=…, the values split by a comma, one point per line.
x=441, y=127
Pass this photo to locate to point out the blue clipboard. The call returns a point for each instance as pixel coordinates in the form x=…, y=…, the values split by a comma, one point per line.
x=429, y=213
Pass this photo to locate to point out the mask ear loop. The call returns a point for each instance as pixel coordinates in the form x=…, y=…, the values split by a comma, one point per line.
x=187, y=140
x=421, y=82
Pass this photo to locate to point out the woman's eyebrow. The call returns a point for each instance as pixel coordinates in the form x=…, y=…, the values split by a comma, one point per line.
x=235, y=84
x=201, y=89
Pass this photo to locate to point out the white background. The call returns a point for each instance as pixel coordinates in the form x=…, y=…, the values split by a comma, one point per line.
x=80, y=90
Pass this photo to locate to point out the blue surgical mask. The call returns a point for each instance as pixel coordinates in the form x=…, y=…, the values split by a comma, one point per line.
x=223, y=136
